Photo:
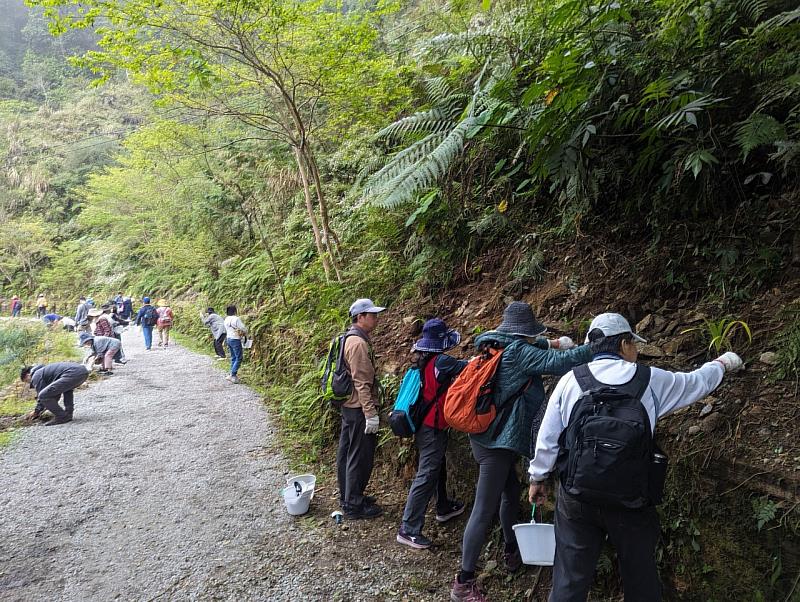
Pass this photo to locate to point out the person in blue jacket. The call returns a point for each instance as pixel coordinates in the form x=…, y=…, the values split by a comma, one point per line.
x=518, y=394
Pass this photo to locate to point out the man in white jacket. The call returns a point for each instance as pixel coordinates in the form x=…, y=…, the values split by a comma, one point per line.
x=582, y=526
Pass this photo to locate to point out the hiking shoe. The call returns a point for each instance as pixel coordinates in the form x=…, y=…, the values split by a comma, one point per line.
x=55, y=421
x=122, y=362
x=455, y=508
x=234, y=379
x=364, y=512
x=370, y=500
x=467, y=592
x=512, y=560
x=418, y=542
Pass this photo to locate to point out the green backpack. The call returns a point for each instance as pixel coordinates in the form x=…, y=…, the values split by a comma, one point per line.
x=336, y=381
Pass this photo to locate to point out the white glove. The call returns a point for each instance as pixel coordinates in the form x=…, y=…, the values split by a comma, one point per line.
x=372, y=425
x=562, y=343
x=730, y=361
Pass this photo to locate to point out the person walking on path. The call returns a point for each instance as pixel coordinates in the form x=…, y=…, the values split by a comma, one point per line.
x=16, y=306
x=217, y=326
x=235, y=331
x=147, y=317
x=164, y=322
x=51, y=381
x=518, y=393
x=438, y=370
x=103, y=348
x=41, y=305
x=581, y=526
x=360, y=422
x=82, y=316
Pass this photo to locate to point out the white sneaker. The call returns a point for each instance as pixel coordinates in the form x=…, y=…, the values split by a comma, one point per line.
x=235, y=380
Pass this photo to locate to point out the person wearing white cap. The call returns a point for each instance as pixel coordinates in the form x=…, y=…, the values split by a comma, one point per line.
x=627, y=516
x=356, y=453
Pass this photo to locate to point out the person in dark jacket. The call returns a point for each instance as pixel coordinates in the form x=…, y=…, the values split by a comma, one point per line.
x=118, y=324
x=147, y=317
x=51, y=381
x=518, y=394
x=16, y=306
x=438, y=370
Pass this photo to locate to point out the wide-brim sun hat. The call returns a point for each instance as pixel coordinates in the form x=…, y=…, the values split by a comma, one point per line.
x=94, y=312
x=364, y=306
x=161, y=303
x=611, y=324
x=518, y=320
x=85, y=338
x=436, y=337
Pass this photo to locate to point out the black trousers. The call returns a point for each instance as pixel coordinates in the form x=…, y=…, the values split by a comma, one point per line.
x=354, y=459
x=580, y=531
x=219, y=345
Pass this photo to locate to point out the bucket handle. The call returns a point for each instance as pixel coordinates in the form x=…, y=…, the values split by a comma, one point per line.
x=533, y=511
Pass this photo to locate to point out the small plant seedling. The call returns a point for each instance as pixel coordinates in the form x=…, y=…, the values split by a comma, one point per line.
x=721, y=332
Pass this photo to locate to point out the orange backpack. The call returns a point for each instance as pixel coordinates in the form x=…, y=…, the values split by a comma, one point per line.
x=468, y=406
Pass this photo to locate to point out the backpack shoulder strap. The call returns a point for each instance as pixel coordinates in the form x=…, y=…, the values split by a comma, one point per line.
x=585, y=378
x=636, y=386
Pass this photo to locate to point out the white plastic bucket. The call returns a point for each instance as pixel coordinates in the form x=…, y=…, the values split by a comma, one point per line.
x=537, y=543
x=296, y=504
x=307, y=483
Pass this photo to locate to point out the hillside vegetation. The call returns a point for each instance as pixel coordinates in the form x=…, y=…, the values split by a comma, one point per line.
x=442, y=158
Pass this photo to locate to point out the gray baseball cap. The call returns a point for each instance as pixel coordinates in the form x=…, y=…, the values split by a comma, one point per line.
x=611, y=325
x=364, y=306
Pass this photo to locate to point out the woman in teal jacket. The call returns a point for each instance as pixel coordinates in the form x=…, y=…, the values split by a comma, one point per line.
x=518, y=395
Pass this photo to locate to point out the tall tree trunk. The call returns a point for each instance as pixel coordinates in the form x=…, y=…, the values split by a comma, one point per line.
x=323, y=203
x=312, y=216
x=278, y=276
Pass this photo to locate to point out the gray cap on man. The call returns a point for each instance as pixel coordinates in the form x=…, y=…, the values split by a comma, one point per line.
x=612, y=325
x=364, y=306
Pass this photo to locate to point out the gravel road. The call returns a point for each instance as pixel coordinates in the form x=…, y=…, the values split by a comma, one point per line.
x=165, y=487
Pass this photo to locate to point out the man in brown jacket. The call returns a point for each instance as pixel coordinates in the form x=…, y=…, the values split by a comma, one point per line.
x=359, y=415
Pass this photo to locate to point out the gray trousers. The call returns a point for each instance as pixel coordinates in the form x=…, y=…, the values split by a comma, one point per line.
x=47, y=399
x=580, y=531
x=498, y=486
x=431, y=477
x=354, y=459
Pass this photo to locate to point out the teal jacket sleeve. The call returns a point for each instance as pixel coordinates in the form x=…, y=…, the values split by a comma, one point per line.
x=532, y=360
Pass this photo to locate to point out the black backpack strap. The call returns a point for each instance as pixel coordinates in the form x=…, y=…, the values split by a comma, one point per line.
x=636, y=386
x=585, y=378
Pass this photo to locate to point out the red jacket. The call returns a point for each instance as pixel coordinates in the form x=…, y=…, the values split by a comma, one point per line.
x=102, y=326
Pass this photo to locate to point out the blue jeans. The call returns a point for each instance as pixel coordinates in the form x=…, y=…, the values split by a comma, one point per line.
x=235, y=347
x=147, y=331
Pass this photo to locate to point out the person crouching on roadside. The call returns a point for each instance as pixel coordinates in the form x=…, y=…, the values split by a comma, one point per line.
x=217, y=326
x=103, y=348
x=613, y=496
x=518, y=393
x=51, y=381
x=438, y=370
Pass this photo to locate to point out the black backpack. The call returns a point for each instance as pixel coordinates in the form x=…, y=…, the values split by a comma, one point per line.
x=336, y=381
x=607, y=454
x=149, y=316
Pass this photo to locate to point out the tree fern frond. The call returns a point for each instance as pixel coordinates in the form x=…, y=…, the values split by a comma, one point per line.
x=777, y=22
x=752, y=9
x=437, y=119
x=415, y=153
x=757, y=130
x=426, y=172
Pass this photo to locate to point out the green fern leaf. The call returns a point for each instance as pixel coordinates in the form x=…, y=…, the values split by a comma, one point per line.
x=758, y=130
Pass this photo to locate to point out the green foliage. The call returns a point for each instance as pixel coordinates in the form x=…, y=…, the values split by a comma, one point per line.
x=720, y=333
x=23, y=342
x=764, y=510
x=788, y=344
